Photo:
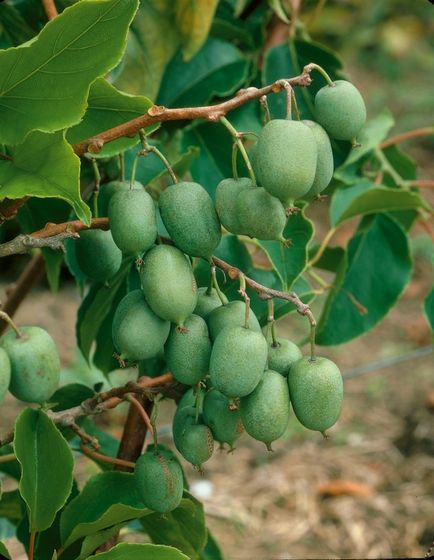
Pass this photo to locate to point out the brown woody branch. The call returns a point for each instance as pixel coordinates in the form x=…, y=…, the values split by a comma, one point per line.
x=104, y=401
x=50, y=9
x=25, y=243
x=157, y=114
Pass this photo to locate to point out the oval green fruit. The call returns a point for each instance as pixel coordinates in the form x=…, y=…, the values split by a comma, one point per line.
x=283, y=355
x=238, y=360
x=184, y=416
x=187, y=399
x=35, y=364
x=285, y=161
x=132, y=221
x=169, y=284
x=97, y=254
x=340, y=109
x=5, y=373
x=196, y=444
x=207, y=301
x=188, y=352
x=265, y=412
x=324, y=165
x=153, y=367
x=138, y=333
x=190, y=218
x=226, y=201
x=224, y=422
x=107, y=190
x=231, y=315
x=159, y=481
x=260, y=215
x=316, y=391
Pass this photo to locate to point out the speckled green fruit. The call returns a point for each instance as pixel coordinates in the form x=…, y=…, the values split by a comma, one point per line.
x=190, y=218
x=225, y=424
x=98, y=256
x=153, y=367
x=285, y=161
x=187, y=399
x=138, y=333
x=260, y=215
x=207, y=301
x=231, y=315
x=196, y=444
x=316, y=391
x=5, y=373
x=324, y=164
x=238, y=360
x=169, y=284
x=283, y=355
x=107, y=190
x=188, y=352
x=159, y=481
x=265, y=412
x=226, y=197
x=35, y=364
x=132, y=221
x=340, y=109
x=184, y=416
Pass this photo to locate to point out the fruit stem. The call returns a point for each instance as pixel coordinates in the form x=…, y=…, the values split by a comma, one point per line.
x=264, y=104
x=234, y=160
x=289, y=91
x=32, y=540
x=294, y=101
x=243, y=293
x=96, y=189
x=198, y=404
x=389, y=169
x=134, y=169
x=243, y=151
x=320, y=69
x=9, y=320
x=147, y=148
x=122, y=167
x=271, y=323
x=312, y=336
x=216, y=284
x=7, y=458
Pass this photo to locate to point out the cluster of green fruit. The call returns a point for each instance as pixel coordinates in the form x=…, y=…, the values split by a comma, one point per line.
x=29, y=365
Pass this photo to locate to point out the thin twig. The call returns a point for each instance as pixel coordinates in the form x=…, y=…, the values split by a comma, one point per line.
x=422, y=183
x=410, y=134
x=7, y=458
x=142, y=413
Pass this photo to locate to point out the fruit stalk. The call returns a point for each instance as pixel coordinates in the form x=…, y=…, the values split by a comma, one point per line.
x=7, y=319
x=320, y=69
x=238, y=140
x=147, y=148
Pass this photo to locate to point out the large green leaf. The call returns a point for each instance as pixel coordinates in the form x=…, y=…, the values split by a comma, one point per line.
x=99, y=302
x=4, y=552
x=107, y=108
x=92, y=542
x=212, y=550
x=366, y=198
x=219, y=68
x=44, y=166
x=108, y=499
x=290, y=262
x=153, y=41
x=125, y=551
x=184, y=528
x=45, y=83
x=214, y=161
x=194, y=18
x=377, y=270
x=374, y=131
x=428, y=307
x=39, y=446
